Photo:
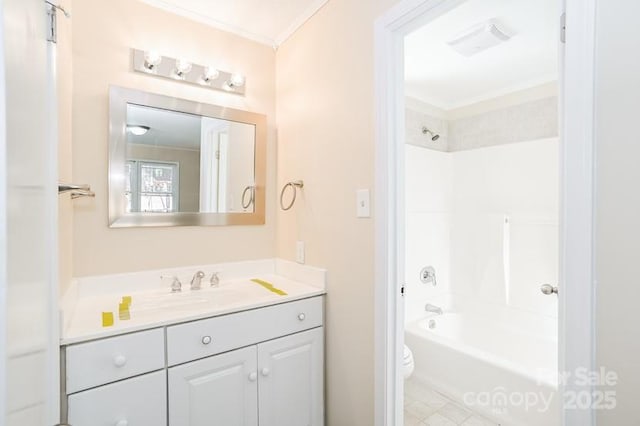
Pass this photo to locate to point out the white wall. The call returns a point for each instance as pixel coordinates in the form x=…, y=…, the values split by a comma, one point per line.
x=618, y=203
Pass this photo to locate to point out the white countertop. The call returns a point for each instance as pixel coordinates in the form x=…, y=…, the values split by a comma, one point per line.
x=154, y=305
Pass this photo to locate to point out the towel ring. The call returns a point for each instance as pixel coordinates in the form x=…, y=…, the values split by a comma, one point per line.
x=252, y=196
x=295, y=184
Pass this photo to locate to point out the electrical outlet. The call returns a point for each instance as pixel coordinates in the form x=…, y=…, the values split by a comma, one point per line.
x=300, y=251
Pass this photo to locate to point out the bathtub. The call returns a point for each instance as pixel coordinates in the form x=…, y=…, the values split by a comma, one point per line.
x=502, y=365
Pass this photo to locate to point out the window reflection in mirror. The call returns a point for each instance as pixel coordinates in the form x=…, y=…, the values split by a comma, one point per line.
x=179, y=162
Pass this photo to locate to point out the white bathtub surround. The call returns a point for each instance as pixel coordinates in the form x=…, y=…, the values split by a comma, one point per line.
x=154, y=305
x=456, y=204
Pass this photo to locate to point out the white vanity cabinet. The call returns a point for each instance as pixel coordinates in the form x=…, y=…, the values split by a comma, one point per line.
x=276, y=383
x=291, y=383
x=219, y=390
x=259, y=367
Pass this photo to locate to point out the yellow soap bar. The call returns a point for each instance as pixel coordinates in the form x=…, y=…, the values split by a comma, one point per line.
x=126, y=300
x=107, y=319
x=269, y=286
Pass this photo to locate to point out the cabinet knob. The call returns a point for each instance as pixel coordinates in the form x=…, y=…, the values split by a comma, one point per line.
x=265, y=372
x=119, y=360
x=302, y=317
x=206, y=340
x=253, y=377
x=122, y=423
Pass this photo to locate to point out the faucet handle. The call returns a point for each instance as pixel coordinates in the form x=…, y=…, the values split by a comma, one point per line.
x=173, y=282
x=215, y=279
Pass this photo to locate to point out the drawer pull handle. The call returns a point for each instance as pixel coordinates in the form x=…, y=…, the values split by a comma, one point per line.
x=206, y=340
x=253, y=377
x=122, y=423
x=265, y=372
x=302, y=317
x=120, y=361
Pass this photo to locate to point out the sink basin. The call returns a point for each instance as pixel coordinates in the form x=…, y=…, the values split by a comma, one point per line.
x=184, y=301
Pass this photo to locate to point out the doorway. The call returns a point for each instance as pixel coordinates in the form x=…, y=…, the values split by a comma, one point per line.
x=501, y=272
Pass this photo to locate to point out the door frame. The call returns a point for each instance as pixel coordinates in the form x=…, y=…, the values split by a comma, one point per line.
x=577, y=215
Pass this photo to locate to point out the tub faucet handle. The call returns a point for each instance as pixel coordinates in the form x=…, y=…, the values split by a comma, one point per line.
x=428, y=275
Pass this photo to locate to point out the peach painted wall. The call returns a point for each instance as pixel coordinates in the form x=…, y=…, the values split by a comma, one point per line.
x=103, y=34
x=325, y=109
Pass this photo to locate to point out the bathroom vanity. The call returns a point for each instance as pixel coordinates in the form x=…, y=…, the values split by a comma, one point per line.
x=238, y=353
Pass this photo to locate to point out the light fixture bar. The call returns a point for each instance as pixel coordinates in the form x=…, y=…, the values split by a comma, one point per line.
x=180, y=70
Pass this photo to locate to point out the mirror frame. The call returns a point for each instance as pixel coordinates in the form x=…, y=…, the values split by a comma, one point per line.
x=119, y=97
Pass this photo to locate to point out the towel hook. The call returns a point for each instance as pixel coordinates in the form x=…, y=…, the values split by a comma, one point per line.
x=294, y=185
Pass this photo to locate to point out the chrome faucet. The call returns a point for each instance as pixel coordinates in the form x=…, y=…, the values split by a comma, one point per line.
x=433, y=308
x=196, y=281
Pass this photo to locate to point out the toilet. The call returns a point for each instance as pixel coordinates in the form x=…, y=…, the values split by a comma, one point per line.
x=407, y=362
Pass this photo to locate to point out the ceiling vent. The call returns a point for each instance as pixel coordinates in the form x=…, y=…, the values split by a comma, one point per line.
x=480, y=37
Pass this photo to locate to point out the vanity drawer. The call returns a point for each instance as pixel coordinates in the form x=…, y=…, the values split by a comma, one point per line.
x=138, y=401
x=103, y=361
x=199, y=339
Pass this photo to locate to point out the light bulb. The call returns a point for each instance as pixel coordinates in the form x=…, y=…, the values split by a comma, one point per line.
x=137, y=130
x=210, y=73
x=237, y=80
x=182, y=68
x=152, y=59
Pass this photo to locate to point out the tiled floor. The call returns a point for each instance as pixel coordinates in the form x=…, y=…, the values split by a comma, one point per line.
x=424, y=406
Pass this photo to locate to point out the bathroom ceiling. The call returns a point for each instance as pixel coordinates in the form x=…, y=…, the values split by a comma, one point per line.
x=438, y=75
x=267, y=21
x=166, y=128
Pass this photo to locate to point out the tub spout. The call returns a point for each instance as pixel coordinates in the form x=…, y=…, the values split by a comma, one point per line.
x=433, y=308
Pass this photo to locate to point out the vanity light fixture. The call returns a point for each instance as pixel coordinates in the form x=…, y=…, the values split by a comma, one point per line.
x=137, y=130
x=151, y=61
x=183, y=70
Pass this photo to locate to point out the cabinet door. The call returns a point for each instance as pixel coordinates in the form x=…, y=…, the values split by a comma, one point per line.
x=220, y=390
x=291, y=382
x=140, y=401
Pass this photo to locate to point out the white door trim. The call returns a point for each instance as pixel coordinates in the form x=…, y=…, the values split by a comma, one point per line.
x=3, y=225
x=577, y=275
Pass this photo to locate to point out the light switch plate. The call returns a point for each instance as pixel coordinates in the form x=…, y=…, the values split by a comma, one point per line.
x=363, y=203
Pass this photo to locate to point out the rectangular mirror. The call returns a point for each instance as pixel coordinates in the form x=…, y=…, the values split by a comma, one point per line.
x=176, y=162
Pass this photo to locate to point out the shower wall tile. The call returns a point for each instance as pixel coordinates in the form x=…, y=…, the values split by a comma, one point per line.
x=525, y=122
x=415, y=120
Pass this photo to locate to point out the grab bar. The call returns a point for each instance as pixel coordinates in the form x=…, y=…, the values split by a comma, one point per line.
x=76, y=191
